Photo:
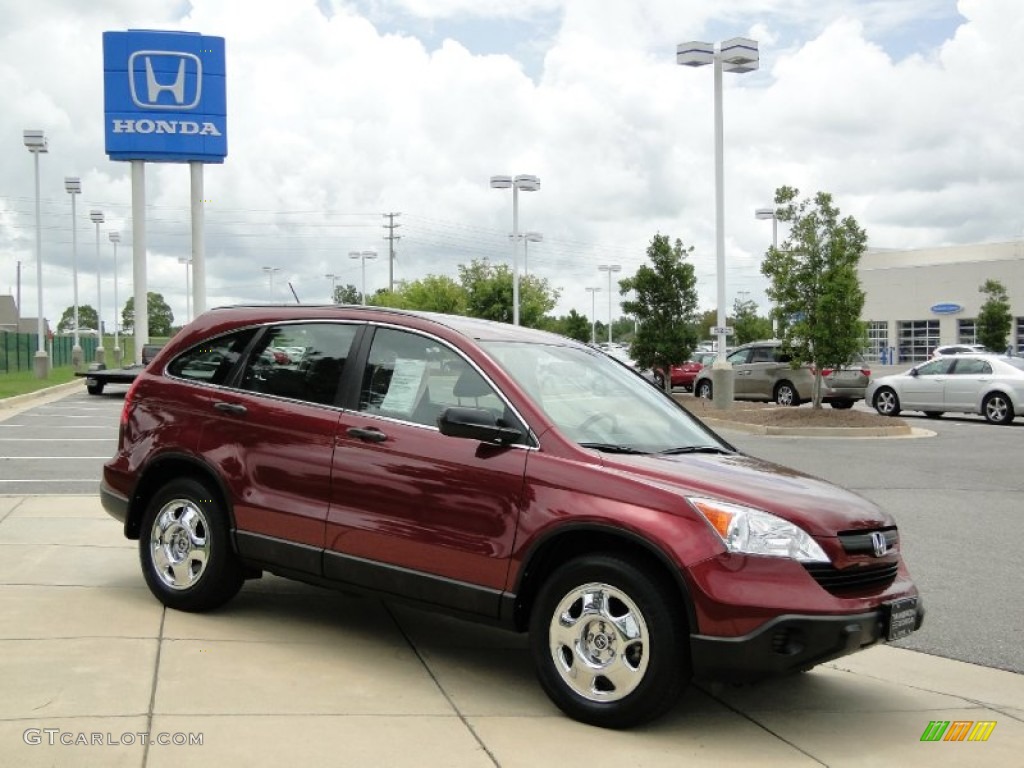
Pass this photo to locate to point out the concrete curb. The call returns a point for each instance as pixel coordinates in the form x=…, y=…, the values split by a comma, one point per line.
x=761, y=429
x=29, y=397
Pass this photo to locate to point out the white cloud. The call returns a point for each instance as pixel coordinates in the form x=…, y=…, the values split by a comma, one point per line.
x=335, y=119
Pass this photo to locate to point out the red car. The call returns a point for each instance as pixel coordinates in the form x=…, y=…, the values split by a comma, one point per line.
x=684, y=375
x=500, y=474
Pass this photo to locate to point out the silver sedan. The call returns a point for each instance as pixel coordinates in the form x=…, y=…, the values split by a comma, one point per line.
x=992, y=385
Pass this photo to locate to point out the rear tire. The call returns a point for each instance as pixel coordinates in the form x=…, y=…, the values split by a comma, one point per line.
x=841, y=405
x=933, y=414
x=185, y=548
x=609, y=641
x=703, y=390
x=997, y=408
x=94, y=389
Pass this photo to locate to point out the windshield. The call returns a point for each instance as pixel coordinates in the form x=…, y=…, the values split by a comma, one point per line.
x=599, y=402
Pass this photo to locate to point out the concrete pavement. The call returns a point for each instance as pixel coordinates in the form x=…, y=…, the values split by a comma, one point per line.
x=293, y=675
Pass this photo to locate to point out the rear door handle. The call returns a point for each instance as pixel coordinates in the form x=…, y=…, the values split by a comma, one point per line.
x=233, y=408
x=369, y=435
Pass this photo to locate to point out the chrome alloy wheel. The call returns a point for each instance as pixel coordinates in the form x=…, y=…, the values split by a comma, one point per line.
x=180, y=544
x=599, y=642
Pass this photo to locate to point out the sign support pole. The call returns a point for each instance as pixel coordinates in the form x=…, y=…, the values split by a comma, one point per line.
x=139, y=257
x=198, y=255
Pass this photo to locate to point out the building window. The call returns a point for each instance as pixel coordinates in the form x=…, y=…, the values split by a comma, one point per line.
x=967, y=332
x=1019, y=346
x=878, y=342
x=917, y=338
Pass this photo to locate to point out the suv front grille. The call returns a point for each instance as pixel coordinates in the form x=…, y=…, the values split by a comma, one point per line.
x=852, y=579
x=859, y=542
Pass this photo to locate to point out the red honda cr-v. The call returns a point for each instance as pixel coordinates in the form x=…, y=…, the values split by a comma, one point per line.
x=434, y=459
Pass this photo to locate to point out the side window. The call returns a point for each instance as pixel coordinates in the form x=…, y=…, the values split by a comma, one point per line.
x=414, y=378
x=301, y=361
x=936, y=367
x=211, y=361
x=739, y=357
x=972, y=366
x=763, y=355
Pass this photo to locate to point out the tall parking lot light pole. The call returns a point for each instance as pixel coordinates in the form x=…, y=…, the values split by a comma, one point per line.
x=97, y=219
x=35, y=142
x=770, y=213
x=527, y=183
x=115, y=238
x=73, y=186
x=529, y=237
x=187, y=261
x=610, y=269
x=738, y=55
x=593, y=313
x=270, y=280
x=363, y=256
x=334, y=283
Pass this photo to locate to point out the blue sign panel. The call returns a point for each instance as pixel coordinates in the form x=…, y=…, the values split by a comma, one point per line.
x=946, y=308
x=164, y=96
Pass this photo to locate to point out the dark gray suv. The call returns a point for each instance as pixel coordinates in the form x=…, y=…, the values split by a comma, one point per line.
x=765, y=372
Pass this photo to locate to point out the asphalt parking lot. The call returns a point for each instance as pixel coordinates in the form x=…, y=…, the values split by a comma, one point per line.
x=290, y=673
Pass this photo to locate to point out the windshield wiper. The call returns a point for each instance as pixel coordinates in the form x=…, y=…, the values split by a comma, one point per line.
x=612, y=448
x=694, y=449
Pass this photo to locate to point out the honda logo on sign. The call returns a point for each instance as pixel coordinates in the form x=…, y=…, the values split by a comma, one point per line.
x=175, y=73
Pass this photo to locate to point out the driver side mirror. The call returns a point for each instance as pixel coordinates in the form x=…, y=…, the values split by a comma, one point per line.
x=912, y=372
x=475, y=424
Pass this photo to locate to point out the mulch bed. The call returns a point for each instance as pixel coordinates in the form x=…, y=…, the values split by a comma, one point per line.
x=772, y=415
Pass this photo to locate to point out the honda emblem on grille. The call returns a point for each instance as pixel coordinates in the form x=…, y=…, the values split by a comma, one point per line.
x=878, y=543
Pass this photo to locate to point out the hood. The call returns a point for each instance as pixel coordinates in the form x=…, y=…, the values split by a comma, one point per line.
x=817, y=506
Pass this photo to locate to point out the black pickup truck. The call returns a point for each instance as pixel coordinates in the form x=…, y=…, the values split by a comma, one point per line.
x=98, y=375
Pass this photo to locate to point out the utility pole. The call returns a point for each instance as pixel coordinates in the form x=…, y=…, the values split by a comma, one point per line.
x=391, y=237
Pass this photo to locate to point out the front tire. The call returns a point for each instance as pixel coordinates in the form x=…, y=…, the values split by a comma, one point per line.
x=185, y=548
x=933, y=414
x=786, y=394
x=997, y=409
x=887, y=402
x=94, y=389
x=609, y=642
x=842, y=405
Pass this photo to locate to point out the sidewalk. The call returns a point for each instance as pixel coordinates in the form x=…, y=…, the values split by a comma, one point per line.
x=290, y=675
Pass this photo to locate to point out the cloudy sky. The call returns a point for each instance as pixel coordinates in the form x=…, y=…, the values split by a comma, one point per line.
x=910, y=113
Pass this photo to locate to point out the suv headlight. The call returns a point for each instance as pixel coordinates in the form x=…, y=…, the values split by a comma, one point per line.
x=754, y=532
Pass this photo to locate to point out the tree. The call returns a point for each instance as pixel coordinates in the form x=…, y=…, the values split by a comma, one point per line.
x=86, y=319
x=574, y=325
x=748, y=325
x=994, y=318
x=665, y=306
x=814, y=283
x=160, y=316
x=488, y=289
x=346, y=294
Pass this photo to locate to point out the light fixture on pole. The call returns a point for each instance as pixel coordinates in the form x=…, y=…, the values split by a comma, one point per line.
x=610, y=269
x=334, y=283
x=73, y=186
x=738, y=55
x=270, y=280
x=97, y=219
x=593, y=313
x=527, y=183
x=363, y=256
x=35, y=142
x=529, y=237
x=187, y=261
x=115, y=238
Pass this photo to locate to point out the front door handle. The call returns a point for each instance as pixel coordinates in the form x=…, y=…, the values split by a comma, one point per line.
x=233, y=408
x=369, y=435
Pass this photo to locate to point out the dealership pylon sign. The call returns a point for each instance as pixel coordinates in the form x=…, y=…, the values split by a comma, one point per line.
x=164, y=96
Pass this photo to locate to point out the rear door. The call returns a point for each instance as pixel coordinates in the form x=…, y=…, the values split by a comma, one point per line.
x=968, y=379
x=271, y=438
x=739, y=360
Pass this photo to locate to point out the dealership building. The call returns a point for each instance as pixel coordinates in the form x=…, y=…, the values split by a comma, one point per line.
x=917, y=300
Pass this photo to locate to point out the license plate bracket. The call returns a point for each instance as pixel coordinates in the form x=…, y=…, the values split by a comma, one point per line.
x=900, y=618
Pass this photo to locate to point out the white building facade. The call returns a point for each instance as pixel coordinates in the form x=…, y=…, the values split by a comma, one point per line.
x=918, y=300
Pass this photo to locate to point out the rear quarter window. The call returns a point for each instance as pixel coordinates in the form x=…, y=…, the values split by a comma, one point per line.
x=212, y=361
